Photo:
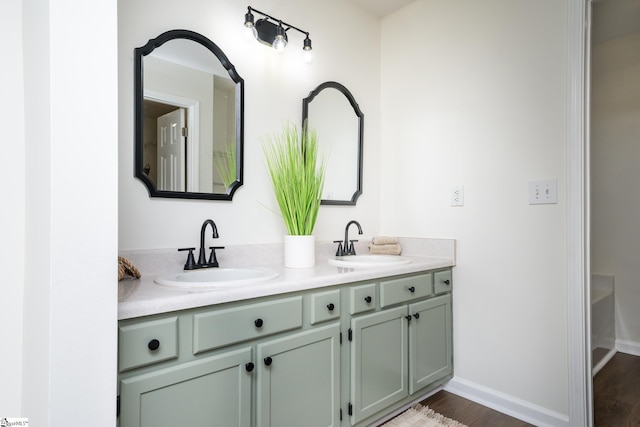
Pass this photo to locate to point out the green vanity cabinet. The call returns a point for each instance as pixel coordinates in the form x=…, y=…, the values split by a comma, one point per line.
x=336, y=356
x=298, y=379
x=430, y=342
x=400, y=349
x=378, y=361
x=193, y=393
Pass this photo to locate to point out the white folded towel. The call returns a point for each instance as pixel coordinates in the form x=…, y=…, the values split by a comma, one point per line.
x=384, y=240
x=388, y=249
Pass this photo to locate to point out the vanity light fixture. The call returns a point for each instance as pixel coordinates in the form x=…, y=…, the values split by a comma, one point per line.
x=273, y=32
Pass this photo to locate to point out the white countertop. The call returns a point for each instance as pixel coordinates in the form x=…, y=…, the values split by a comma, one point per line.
x=143, y=297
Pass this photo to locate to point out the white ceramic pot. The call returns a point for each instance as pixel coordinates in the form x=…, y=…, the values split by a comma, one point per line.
x=299, y=251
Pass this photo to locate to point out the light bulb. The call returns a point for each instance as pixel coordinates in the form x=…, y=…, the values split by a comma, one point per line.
x=307, y=56
x=279, y=43
x=249, y=33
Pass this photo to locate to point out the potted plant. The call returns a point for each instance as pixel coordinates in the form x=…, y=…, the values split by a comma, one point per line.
x=297, y=177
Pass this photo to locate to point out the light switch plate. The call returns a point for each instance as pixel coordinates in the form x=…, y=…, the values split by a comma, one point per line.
x=457, y=195
x=543, y=192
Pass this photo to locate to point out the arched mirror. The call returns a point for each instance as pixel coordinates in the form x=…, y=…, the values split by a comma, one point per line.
x=333, y=112
x=189, y=118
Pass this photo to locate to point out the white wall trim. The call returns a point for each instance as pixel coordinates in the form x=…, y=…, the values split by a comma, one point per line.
x=628, y=347
x=578, y=270
x=506, y=404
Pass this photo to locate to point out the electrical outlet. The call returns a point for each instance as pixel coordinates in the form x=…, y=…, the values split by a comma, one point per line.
x=457, y=195
x=543, y=192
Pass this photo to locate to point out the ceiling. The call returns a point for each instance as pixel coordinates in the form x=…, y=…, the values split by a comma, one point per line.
x=611, y=18
x=381, y=8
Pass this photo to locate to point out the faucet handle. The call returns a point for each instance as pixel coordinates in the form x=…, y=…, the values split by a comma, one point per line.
x=340, y=251
x=352, y=249
x=213, y=260
x=191, y=262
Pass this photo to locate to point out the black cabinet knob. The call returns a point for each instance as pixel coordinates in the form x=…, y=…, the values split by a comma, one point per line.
x=268, y=360
x=258, y=323
x=153, y=345
x=249, y=367
x=408, y=317
x=367, y=299
x=417, y=315
x=412, y=289
x=330, y=306
x=447, y=282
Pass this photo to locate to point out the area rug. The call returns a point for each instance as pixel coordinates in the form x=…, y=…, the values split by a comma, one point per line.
x=422, y=416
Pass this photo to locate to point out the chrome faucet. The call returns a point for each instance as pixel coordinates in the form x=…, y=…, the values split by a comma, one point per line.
x=202, y=258
x=346, y=247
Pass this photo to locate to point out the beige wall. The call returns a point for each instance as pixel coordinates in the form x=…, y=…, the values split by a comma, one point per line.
x=12, y=225
x=474, y=94
x=59, y=293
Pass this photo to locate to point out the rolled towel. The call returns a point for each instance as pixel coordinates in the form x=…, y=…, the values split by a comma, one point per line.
x=384, y=240
x=389, y=249
x=126, y=268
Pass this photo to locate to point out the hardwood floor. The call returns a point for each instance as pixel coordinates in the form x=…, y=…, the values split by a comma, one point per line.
x=468, y=412
x=616, y=392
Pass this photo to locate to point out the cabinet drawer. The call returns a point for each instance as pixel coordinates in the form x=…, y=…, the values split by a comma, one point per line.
x=405, y=289
x=144, y=343
x=442, y=281
x=362, y=298
x=218, y=328
x=325, y=306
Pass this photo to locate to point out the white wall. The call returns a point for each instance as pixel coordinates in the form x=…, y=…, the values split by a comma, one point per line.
x=615, y=150
x=274, y=88
x=12, y=223
x=70, y=215
x=474, y=94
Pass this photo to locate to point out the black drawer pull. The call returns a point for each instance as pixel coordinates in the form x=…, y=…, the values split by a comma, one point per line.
x=330, y=306
x=417, y=315
x=367, y=299
x=249, y=367
x=268, y=360
x=447, y=282
x=412, y=289
x=258, y=323
x=153, y=345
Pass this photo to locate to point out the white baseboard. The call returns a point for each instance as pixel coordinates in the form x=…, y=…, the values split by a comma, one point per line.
x=506, y=404
x=628, y=347
x=603, y=362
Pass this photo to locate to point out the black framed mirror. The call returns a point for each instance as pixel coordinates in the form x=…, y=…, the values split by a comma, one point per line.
x=333, y=112
x=189, y=118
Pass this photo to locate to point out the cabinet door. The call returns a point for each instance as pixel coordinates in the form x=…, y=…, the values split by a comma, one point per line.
x=211, y=391
x=430, y=342
x=298, y=381
x=378, y=361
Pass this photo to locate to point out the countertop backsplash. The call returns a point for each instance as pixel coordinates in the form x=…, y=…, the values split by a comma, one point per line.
x=162, y=261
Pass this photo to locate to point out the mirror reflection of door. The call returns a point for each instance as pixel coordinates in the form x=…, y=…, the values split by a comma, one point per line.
x=154, y=109
x=171, y=151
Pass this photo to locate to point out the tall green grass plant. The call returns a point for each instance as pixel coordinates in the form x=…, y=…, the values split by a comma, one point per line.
x=297, y=176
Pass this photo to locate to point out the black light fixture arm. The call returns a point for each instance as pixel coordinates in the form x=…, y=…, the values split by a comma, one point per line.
x=279, y=21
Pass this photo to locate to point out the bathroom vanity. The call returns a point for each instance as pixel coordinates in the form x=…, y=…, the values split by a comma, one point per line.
x=328, y=346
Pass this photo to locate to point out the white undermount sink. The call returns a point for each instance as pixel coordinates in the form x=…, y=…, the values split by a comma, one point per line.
x=368, y=261
x=217, y=278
